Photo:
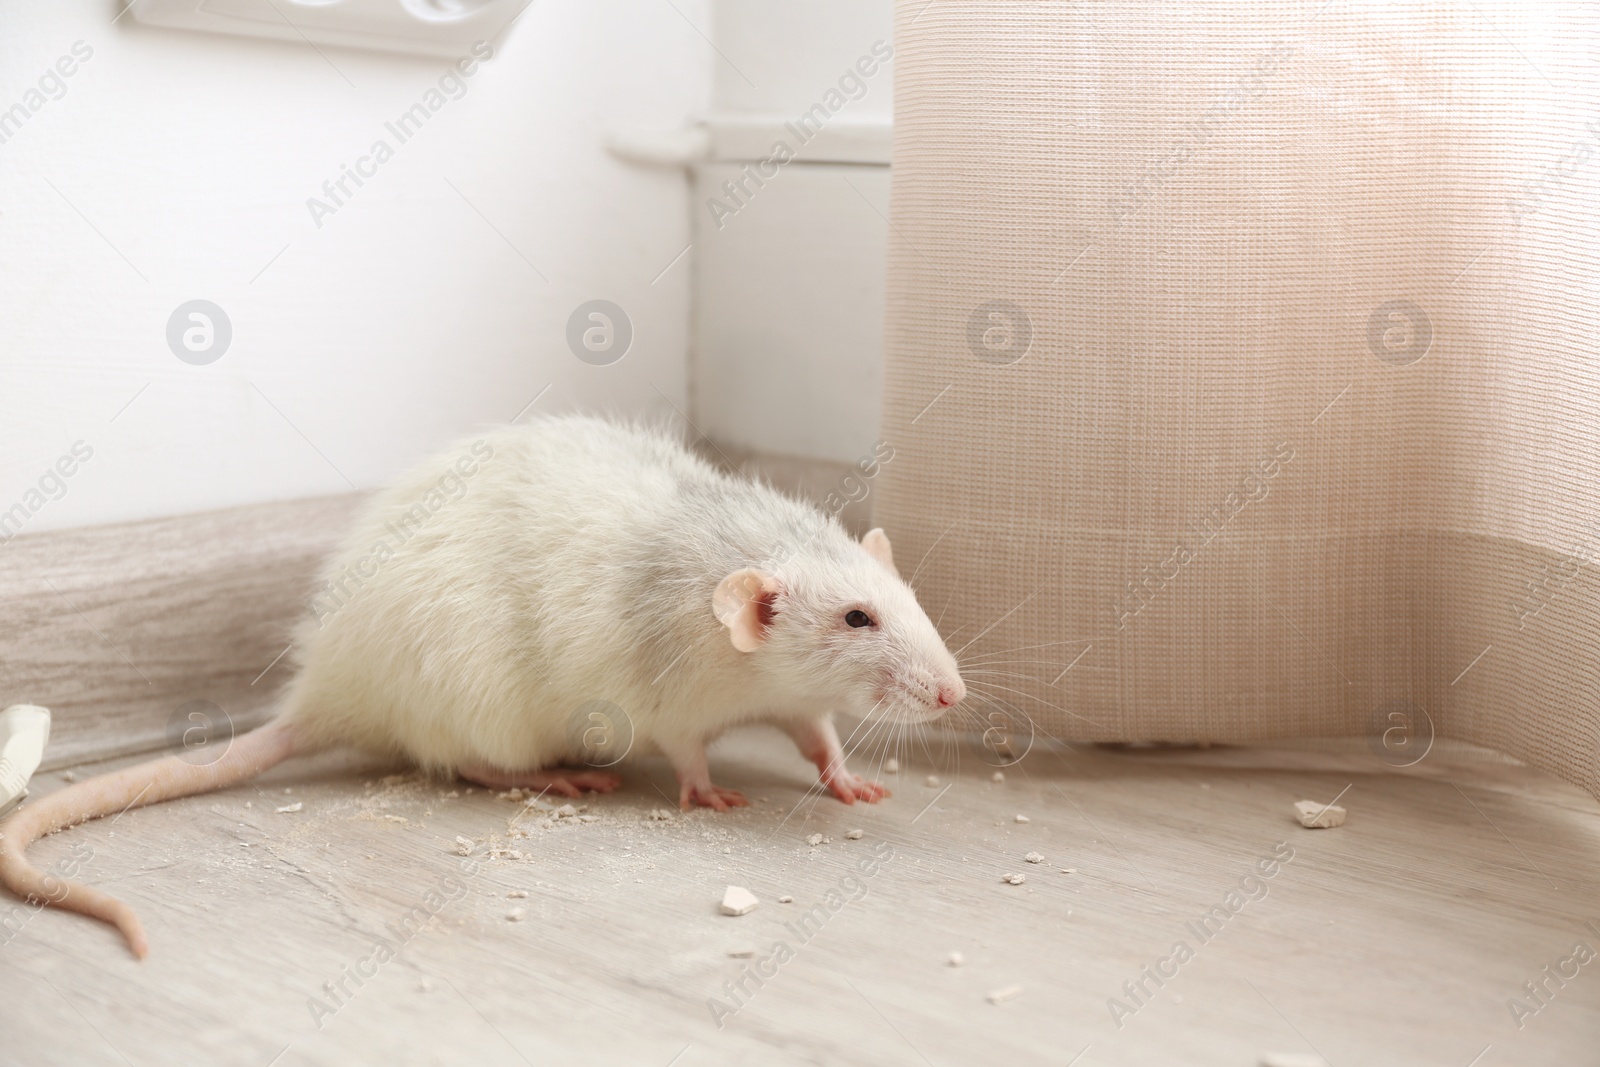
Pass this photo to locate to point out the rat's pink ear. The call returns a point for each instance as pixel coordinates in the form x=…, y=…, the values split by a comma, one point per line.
x=876, y=542
x=744, y=603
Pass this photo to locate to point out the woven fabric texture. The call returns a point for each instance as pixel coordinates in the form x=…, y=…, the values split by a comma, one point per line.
x=1242, y=370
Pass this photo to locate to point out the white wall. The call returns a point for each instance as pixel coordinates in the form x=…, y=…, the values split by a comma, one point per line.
x=183, y=163
x=788, y=354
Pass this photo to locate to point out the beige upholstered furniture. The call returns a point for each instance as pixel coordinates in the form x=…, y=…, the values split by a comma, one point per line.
x=1242, y=365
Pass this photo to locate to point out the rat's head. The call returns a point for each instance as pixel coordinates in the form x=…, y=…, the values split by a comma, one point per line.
x=838, y=625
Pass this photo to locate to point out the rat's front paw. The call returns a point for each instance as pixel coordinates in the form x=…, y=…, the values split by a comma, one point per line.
x=706, y=795
x=850, y=787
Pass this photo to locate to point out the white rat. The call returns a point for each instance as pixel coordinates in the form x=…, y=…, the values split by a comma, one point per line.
x=555, y=591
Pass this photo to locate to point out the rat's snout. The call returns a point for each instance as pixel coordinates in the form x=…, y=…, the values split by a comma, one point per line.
x=951, y=692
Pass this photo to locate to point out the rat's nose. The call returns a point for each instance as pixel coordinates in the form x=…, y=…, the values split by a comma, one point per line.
x=950, y=693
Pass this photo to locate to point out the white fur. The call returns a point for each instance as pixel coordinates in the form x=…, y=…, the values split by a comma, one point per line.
x=577, y=563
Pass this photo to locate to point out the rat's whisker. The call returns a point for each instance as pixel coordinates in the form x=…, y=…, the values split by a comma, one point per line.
x=1025, y=648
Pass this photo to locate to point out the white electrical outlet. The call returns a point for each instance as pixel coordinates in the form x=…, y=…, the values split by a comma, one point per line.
x=444, y=28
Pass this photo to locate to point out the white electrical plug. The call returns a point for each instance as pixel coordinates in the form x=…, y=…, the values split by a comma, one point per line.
x=24, y=731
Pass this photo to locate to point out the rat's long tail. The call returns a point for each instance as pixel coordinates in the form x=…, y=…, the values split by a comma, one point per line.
x=146, y=783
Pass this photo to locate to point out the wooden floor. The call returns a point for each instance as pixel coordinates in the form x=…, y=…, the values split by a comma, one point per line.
x=1399, y=938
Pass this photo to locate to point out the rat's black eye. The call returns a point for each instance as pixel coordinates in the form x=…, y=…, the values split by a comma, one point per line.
x=858, y=619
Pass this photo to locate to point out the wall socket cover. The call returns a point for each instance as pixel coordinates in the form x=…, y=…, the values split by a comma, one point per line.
x=444, y=28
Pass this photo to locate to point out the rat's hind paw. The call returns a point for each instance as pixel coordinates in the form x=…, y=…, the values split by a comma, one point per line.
x=560, y=782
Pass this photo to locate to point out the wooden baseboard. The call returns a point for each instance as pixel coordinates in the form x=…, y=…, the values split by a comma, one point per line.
x=115, y=628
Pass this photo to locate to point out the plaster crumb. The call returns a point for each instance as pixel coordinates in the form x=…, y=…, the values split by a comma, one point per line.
x=741, y=953
x=289, y=809
x=1022, y=818
x=397, y=818
x=425, y=986
x=998, y=776
x=518, y=894
x=1014, y=879
x=737, y=900
x=452, y=795
x=588, y=818
x=1318, y=816
x=510, y=794
x=814, y=840
x=932, y=779
x=1034, y=857
x=957, y=959
x=463, y=846
x=1069, y=870
x=854, y=835
x=286, y=789
x=515, y=915
x=657, y=815
x=892, y=766
x=244, y=844
x=1292, y=1059
x=1000, y=996
x=248, y=804
x=566, y=811
x=786, y=899
x=69, y=776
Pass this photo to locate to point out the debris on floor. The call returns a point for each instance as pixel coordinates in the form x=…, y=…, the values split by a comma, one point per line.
x=1034, y=857
x=998, y=776
x=815, y=839
x=518, y=894
x=891, y=766
x=515, y=915
x=1022, y=818
x=1000, y=996
x=657, y=815
x=463, y=846
x=854, y=835
x=956, y=959
x=741, y=953
x=737, y=900
x=786, y=899
x=1318, y=816
x=289, y=809
x=932, y=779
x=1014, y=879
